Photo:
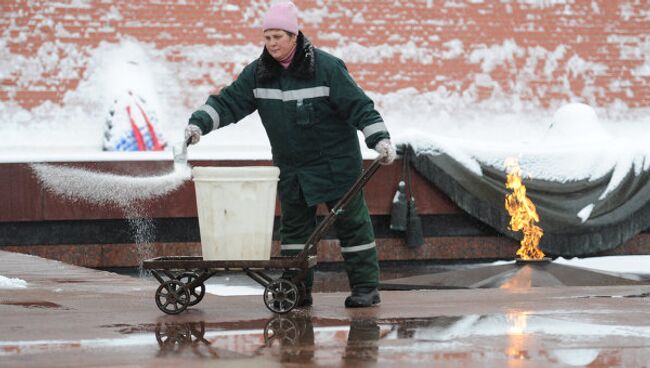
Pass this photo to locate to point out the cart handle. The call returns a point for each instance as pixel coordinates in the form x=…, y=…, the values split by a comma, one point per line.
x=327, y=222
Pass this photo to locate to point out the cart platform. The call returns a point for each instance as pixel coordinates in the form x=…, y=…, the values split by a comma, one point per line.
x=182, y=278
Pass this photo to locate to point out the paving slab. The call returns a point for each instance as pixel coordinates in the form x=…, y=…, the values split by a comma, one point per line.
x=70, y=316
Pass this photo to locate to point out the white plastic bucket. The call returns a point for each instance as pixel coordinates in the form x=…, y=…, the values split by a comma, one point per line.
x=236, y=208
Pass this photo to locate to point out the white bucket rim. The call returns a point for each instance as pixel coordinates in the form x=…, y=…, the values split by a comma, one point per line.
x=235, y=173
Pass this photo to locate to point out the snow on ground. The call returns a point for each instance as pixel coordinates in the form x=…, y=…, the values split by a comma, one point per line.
x=639, y=265
x=12, y=283
x=632, y=265
x=231, y=290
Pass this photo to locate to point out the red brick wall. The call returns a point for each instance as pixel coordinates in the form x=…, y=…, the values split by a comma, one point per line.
x=547, y=51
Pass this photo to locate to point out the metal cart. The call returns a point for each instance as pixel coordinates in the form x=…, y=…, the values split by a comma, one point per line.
x=182, y=278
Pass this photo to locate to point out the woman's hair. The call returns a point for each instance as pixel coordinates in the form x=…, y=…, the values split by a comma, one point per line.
x=290, y=34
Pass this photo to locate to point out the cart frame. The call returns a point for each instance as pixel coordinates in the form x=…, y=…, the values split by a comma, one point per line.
x=182, y=278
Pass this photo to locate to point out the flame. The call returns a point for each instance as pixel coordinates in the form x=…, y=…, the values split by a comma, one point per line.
x=523, y=213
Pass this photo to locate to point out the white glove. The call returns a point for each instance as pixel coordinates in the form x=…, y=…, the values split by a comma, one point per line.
x=193, y=134
x=386, y=151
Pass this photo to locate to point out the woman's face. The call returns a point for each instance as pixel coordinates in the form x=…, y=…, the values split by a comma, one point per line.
x=279, y=43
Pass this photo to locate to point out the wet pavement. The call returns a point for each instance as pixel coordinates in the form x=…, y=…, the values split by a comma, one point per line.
x=75, y=317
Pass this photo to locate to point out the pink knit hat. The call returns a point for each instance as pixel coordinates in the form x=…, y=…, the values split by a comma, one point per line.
x=283, y=16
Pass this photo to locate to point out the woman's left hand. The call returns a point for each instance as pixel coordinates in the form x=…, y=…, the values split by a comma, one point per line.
x=386, y=150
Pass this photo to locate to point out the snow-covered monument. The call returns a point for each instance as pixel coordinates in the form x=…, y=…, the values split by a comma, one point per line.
x=462, y=85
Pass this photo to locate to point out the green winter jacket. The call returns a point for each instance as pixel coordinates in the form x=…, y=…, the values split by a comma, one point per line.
x=311, y=112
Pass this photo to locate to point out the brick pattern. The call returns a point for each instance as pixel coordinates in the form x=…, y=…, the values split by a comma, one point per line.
x=544, y=52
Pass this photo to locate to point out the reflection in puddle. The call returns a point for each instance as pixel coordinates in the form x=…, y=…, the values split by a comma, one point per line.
x=174, y=338
x=291, y=338
x=51, y=346
x=517, y=339
x=514, y=339
x=288, y=338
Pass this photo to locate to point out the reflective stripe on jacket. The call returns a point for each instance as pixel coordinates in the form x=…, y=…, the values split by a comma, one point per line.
x=311, y=112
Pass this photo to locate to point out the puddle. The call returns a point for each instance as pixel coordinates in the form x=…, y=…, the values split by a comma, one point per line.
x=517, y=337
x=128, y=329
x=36, y=304
x=298, y=338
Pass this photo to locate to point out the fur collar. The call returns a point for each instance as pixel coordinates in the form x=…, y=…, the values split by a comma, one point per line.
x=302, y=65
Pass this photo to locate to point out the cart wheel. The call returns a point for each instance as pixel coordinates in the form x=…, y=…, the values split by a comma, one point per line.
x=196, y=294
x=172, y=297
x=281, y=329
x=281, y=295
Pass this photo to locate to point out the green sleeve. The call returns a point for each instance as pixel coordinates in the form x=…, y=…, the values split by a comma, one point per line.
x=232, y=104
x=355, y=107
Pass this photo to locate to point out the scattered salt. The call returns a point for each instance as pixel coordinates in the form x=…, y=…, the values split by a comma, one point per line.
x=105, y=188
x=109, y=189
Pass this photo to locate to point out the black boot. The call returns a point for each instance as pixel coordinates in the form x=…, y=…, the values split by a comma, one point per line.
x=362, y=297
x=307, y=301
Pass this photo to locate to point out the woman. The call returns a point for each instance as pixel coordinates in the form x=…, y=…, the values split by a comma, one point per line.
x=311, y=109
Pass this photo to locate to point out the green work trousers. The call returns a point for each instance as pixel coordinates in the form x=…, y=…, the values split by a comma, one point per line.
x=353, y=229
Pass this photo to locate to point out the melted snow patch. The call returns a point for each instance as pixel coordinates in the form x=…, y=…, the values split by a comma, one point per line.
x=229, y=290
x=12, y=283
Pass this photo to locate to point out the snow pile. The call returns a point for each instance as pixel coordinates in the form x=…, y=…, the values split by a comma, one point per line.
x=110, y=70
x=174, y=89
x=572, y=122
x=12, y=283
x=575, y=145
